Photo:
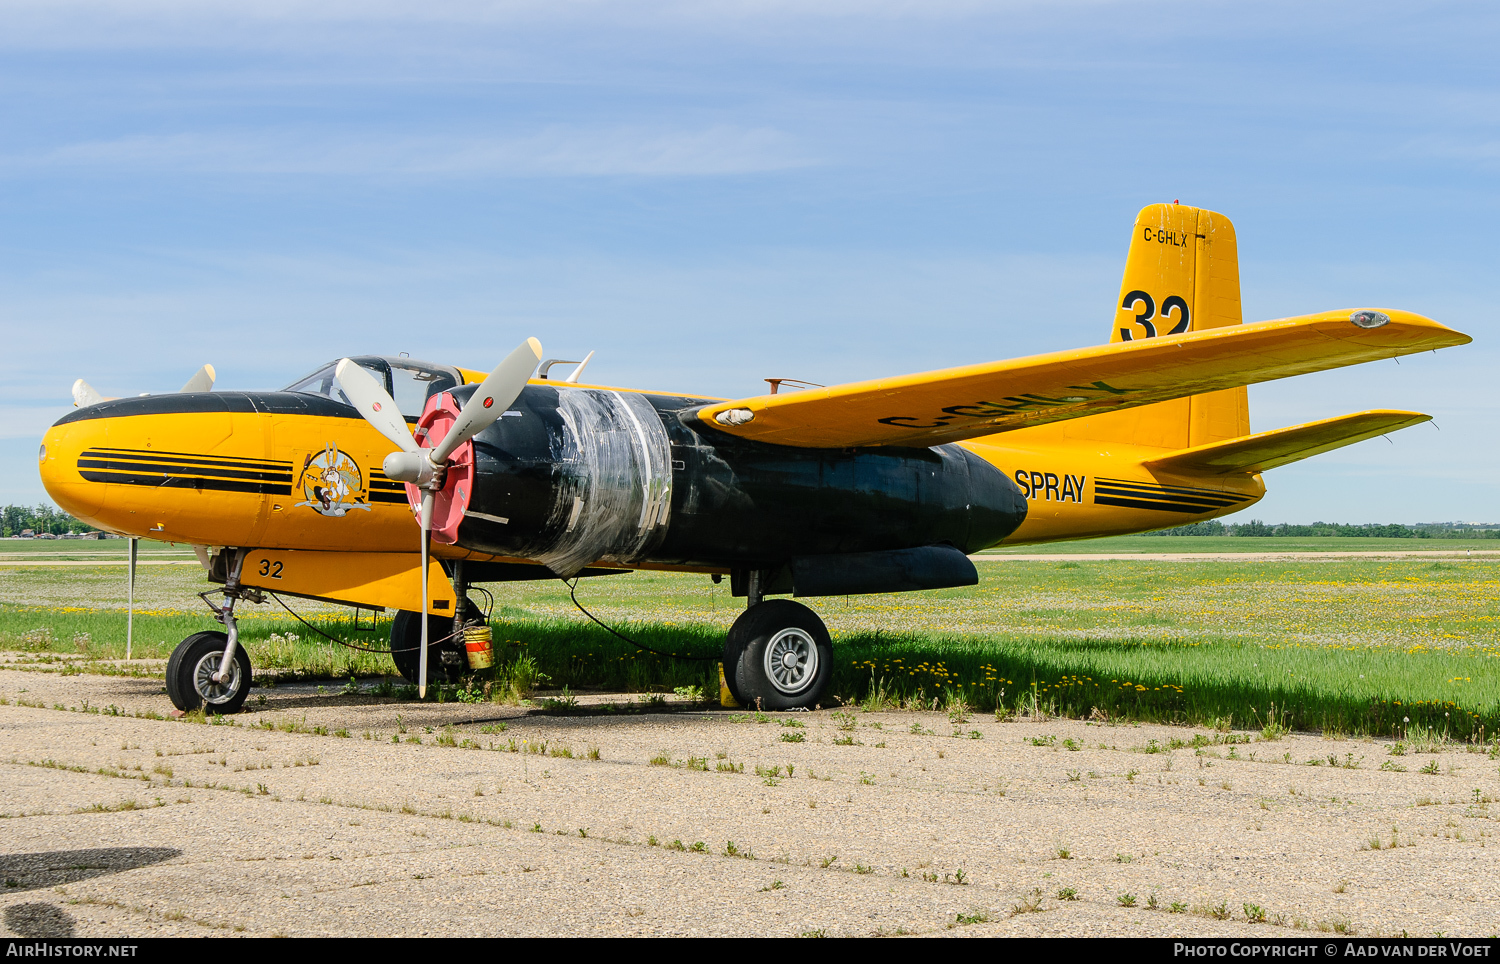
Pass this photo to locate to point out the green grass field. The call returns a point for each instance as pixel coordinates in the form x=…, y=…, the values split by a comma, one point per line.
x=1351, y=645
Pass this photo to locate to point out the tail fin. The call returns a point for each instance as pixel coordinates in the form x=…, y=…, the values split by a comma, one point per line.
x=1182, y=274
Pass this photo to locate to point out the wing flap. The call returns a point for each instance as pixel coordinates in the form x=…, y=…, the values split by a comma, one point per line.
x=954, y=404
x=1282, y=446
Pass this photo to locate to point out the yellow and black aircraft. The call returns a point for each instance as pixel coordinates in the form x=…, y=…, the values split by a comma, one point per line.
x=878, y=486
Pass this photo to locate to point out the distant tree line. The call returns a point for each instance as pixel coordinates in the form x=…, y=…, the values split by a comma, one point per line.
x=1373, y=530
x=14, y=519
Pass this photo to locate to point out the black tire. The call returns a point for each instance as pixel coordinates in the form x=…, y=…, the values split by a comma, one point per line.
x=189, y=675
x=406, y=645
x=778, y=657
x=734, y=645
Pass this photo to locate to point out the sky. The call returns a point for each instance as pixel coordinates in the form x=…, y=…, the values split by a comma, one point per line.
x=711, y=193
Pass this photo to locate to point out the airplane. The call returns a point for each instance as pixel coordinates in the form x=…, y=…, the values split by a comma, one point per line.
x=390, y=483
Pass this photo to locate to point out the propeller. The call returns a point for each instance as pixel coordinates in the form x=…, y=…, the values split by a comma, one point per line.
x=202, y=380
x=85, y=394
x=426, y=468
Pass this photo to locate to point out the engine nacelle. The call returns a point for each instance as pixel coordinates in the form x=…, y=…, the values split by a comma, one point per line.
x=573, y=476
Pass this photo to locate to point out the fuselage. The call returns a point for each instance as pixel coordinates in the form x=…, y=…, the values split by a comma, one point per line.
x=586, y=475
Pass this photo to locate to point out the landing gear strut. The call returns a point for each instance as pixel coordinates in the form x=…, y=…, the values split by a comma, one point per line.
x=778, y=655
x=446, y=657
x=210, y=669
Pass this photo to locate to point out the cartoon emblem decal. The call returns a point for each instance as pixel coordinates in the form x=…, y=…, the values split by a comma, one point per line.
x=332, y=483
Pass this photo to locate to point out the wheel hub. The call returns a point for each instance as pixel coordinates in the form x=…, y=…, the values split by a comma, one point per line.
x=791, y=661
x=203, y=679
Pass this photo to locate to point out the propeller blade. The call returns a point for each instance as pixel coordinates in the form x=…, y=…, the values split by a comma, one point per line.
x=369, y=396
x=426, y=519
x=579, y=370
x=84, y=395
x=493, y=396
x=202, y=380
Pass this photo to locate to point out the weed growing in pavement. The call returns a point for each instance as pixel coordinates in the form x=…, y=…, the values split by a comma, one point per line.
x=1030, y=904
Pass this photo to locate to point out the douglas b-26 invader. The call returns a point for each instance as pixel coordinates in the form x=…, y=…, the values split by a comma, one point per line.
x=869, y=487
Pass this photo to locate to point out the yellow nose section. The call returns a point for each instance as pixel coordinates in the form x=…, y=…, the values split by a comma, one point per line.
x=57, y=461
x=161, y=476
x=227, y=470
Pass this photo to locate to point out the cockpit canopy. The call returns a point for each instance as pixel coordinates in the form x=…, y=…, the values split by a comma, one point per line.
x=409, y=382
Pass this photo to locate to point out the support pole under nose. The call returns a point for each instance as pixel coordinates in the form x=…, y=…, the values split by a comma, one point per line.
x=135, y=546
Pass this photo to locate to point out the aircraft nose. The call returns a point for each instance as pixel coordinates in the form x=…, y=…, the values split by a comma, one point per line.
x=57, y=463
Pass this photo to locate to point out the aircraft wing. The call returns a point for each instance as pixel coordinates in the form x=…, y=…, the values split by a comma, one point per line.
x=1268, y=450
x=974, y=400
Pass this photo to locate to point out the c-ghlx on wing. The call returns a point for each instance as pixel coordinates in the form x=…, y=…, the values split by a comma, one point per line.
x=954, y=404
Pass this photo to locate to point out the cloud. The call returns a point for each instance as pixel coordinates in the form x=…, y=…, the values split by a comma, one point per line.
x=1482, y=151
x=28, y=422
x=555, y=151
x=292, y=24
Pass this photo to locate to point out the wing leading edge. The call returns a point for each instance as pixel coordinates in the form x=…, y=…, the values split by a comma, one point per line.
x=954, y=404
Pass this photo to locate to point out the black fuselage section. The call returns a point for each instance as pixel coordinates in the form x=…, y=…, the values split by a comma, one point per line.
x=669, y=490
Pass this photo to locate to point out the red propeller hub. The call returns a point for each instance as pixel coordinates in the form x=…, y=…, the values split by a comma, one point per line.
x=449, y=502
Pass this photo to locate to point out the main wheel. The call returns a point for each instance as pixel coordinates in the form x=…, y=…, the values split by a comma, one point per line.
x=778, y=657
x=191, y=669
x=446, y=661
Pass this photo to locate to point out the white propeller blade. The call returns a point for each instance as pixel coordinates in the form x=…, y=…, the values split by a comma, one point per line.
x=579, y=370
x=493, y=396
x=426, y=521
x=202, y=380
x=369, y=396
x=84, y=395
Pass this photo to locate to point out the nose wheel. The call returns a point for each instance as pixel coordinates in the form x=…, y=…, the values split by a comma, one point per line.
x=778, y=656
x=194, y=678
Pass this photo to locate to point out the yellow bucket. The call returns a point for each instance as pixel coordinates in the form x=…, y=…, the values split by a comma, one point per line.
x=477, y=645
x=726, y=699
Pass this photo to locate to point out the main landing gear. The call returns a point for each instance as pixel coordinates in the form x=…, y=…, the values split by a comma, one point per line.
x=210, y=670
x=447, y=659
x=778, y=655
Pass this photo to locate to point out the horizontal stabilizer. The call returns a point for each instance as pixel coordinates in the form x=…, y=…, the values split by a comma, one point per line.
x=954, y=404
x=1268, y=450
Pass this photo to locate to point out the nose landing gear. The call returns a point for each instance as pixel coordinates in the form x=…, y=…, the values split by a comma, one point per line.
x=194, y=680
x=210, y=669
